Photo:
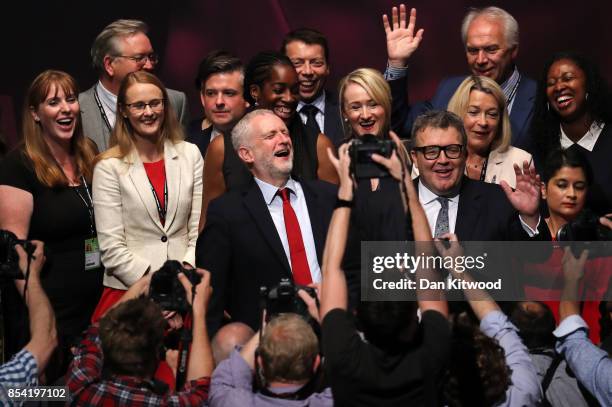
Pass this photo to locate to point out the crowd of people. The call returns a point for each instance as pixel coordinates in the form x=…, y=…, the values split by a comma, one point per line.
x=266, y=201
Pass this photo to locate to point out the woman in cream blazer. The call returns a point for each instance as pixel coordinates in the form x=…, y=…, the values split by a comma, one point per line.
x=481, y=104
x=143, y=221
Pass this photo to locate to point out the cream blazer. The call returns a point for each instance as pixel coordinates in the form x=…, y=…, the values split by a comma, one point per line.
x=500, y=166
x=132, y=238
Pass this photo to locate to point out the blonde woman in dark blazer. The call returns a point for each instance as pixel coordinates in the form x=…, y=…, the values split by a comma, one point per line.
x=147, y=189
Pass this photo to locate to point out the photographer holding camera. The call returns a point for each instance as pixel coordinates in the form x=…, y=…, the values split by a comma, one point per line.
x=285, y=357
x=24, y=368
x=378, y=213
x=116, y=361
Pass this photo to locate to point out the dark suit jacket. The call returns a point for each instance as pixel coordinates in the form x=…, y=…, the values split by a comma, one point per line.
x=485, y=214
x=333, y=121
x=241, y=248
x=403, y=115
x=199, y=137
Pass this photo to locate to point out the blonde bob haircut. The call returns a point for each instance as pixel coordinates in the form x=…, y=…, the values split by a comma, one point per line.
x=377, y=88
x=121, y=142
x=460, y=102
x=47, y=170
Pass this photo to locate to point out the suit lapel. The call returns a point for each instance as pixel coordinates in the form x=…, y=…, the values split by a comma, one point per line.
x=254, y=202
x=318, y=232
x=521, y=110
x=141, y=183
x=468, y=211
x=173, y=179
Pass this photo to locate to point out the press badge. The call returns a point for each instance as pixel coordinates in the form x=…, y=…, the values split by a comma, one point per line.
x=92, y=254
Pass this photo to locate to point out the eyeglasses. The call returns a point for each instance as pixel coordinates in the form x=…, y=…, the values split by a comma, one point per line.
x=141, y=59
x=433, y=152
x=138, y=107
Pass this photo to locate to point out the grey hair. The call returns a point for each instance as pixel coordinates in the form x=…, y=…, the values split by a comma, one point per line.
x=106, y=42
x=242, y=130
x=511, y=28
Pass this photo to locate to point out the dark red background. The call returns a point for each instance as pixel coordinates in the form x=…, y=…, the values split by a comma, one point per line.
x=42, y=35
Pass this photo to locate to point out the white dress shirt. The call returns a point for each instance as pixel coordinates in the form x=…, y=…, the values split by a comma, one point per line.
x=298, y=202
x=587, y=141
x=432, y=206
x=319, y=103
x=109, y=103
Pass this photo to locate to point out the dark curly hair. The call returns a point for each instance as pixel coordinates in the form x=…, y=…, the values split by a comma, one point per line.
x=259, y=70
x=545, y=123
x=478, y=374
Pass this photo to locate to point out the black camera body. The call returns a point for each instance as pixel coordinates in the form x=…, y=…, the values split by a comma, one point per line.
x=167, y=291
x=583, y=232
x=284, y=299
x=585, y=228
x=361, y=150
x=9, y=259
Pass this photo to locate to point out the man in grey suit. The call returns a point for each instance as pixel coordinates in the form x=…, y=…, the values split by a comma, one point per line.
x=122, y=47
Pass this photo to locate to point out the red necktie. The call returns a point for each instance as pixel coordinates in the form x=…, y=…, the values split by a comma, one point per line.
x=297, y=252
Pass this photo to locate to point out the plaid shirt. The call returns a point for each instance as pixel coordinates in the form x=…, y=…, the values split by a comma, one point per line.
x=21, y=370
x=88, y=388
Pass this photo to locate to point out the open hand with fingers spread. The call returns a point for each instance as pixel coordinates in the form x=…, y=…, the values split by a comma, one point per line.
x=401, y=40
x=526, y=197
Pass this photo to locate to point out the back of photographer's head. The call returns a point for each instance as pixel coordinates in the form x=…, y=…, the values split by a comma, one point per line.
x=289, y=350
x=536, y=324
x=388, y=325
x=132, y=336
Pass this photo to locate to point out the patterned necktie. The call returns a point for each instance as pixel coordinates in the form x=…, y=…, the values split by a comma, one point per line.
x=312, y=127
x=297, y=251
x=442, y=220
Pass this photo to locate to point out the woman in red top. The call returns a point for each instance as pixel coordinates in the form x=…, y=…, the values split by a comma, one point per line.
x=566, y=180
x=147, y=189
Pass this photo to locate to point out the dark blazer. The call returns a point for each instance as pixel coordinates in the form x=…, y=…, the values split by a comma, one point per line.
x=199, y=137
x=403, y=114
x=333, y=121
x=485, y=214
x=241, y=248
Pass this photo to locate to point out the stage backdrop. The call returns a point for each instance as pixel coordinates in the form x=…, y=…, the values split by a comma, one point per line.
x=41, y=35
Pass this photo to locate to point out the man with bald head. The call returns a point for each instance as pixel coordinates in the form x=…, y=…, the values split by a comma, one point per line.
x=121, y=48
x=490, y=37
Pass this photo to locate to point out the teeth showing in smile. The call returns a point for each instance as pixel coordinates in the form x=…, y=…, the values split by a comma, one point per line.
x=368, y=123
x=563, y=99
x=65, y=121
x=283, y=110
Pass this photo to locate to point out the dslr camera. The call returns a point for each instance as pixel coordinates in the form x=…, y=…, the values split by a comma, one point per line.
x=583, y=232
x=361, y=150
x=9, y=259
x=284, y=298
x=167, y=291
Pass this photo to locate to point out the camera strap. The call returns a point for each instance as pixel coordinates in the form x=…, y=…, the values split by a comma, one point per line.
x=92, y=247
x=184, y=345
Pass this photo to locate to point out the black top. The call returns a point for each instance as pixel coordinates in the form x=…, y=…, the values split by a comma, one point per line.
x=61, y=220
x=199, y=137
x=363, y=375
x=377, y=216
x=305, y=160
x=599, y=197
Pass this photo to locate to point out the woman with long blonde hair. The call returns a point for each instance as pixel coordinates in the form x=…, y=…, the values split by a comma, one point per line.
x=45, y=194
x=147, y=189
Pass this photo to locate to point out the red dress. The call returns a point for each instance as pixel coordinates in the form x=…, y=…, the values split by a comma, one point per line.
x=544, y=282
